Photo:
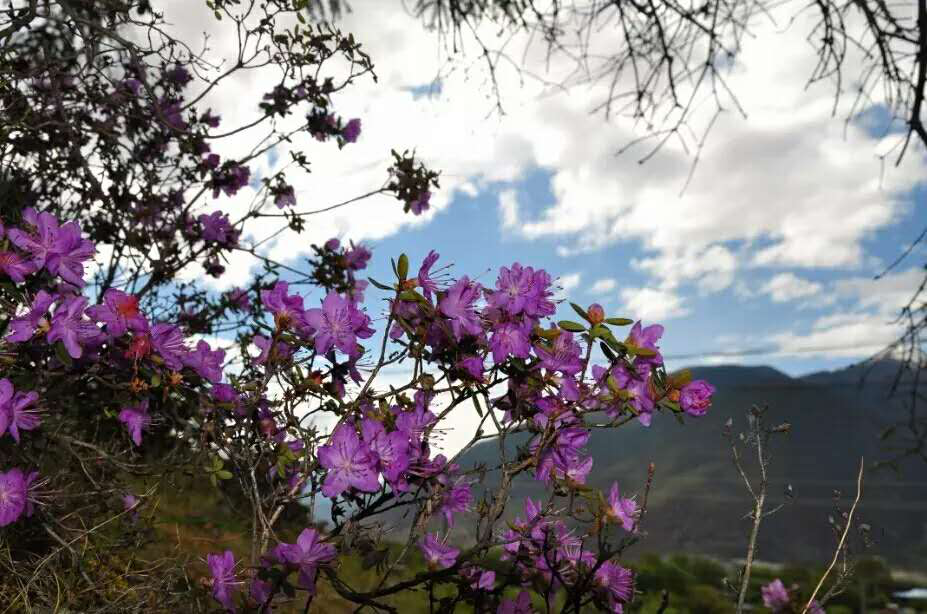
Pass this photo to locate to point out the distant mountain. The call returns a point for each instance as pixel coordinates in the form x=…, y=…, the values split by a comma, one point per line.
x=698, y=501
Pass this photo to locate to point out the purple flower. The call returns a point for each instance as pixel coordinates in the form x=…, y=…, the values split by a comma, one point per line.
x=472, y=366
x=286, y=197
x=68, y=326
x=647, y=338
x=815, y=608
x=349, y=463
x=523, y=290
x=24, y=327
x=119, y=311
x=622, y=510
x=42, y=244
x=178, y=75
x=338, y=324
x=437, y=554
x=775, y=597
x=636, y=384
x=419, y=205
x=457, y=499
x=238, y=297
x=307, y=554
x=216, y=227
x=67, y=256
x=261, y=591
x=15, y=266
x=390, y=449
x=129, y=502
x=271, y=351
x=425, y=282
x=206, y=362
x=351, y=130
x=287, y=308
x=13, y=494
x=618, y=583
x=521, y=605
x=136, y=419
x=167, y=340
x=563, y=356
x=357, y=257
x=224, y=581
x=695, y=397
x=414, y=423
x=480, y=579
x=15, y=413
x=510, y=339
x=457, y=305
x=210, y=120
x=513, y=288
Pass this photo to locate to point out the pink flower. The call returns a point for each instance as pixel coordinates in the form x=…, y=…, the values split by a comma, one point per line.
x=521, y=605
x=206, y=362
x=69, y=327
x=66, y=259
x=136, y=419
x=622, y=510
x=224, y=581
x=458, y=305
x=15, y=266
x=25, y=326
x=437, y=554
x=695, y=397
x=618, y=583
x=337, y=324
x=13, y=494
x=167, y=340
x=119, y=311
x=775, y=597
x=351, y=131
x=349, y=463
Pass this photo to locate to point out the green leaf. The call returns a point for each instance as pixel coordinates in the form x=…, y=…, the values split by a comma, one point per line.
x=599, y=331
x=476, y=404
x=618, y=321
x=378, y=284
x=403, y=267
x=612, y=383
x=224, y=475
x=582, y=312
x=678, y=380
x=573, y=327
x=645, y=352
x=607, y=351
x=155, y=380
x=62, y=353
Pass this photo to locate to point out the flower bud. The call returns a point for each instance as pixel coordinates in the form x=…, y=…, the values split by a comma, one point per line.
x=596, y=313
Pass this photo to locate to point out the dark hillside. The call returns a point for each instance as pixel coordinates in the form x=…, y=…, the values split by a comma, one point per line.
x=698, y=501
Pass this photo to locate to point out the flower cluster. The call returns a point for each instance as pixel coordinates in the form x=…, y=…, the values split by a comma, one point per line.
x=778, y=599
x=494, y=347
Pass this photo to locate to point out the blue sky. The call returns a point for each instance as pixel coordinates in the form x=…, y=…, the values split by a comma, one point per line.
x=469, y=234
x=773, y=243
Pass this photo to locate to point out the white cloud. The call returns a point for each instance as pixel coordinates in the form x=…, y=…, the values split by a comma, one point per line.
x=790, y=174
x=652, y=304
x=867, y=326
x=786, y=287
x=508, y=208
x=603, y=286
x=570, y=281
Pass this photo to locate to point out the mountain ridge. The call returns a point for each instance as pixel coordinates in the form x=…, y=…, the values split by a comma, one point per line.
x=698, y=500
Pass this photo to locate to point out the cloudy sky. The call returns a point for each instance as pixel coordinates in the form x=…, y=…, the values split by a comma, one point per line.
x=767, y=256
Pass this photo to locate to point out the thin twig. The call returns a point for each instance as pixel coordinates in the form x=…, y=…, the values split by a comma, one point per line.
x=846, y=530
